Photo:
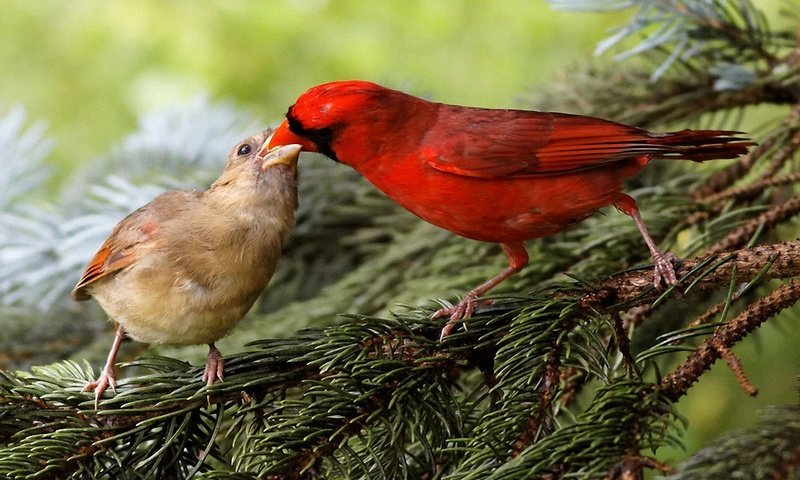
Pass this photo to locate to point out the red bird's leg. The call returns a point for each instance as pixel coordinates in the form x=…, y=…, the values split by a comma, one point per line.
x=215, y=365
x=517, y=258
x=664, y=271
x=106, y=377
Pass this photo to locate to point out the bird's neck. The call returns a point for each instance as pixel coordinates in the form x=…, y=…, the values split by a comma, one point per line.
x=380, y=137
x=265, y=209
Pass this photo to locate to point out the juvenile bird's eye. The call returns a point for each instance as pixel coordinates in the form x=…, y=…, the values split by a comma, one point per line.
x=244, y=150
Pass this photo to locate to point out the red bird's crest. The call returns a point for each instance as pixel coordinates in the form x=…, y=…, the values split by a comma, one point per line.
x=331, y=103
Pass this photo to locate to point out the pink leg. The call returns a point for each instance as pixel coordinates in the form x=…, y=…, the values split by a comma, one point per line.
x=106, y=377
x=517, y=258
x=215, y=366
x=664, y=271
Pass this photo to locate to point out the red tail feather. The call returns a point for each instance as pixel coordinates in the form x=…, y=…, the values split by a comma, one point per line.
x=700, y=145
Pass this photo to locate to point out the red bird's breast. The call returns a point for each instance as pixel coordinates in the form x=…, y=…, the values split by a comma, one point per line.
x=498, y=210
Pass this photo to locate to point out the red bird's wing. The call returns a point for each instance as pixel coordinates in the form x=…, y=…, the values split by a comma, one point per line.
x=130, y=239
x=509, y=143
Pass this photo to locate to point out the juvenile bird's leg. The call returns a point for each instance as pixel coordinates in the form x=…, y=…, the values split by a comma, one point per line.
x=106, y=377
x=664, y=271
x=215, y=366
x=460, y=312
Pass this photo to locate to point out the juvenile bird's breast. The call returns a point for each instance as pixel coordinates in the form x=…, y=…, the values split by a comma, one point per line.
x=197, y=291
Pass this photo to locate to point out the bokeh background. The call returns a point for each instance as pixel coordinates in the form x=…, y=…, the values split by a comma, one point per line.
x=89, y=70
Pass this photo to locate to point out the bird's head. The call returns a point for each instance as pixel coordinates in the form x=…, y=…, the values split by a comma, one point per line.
x=319, y=116
x=254, y=170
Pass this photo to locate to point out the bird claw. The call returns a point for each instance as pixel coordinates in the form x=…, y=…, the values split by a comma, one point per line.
x=105, y=380
x=215, y=367
x=664, y=271
x=458, y=313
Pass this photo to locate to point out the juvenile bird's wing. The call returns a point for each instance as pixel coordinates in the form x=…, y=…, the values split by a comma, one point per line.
x=130, y=239
x=510, y=143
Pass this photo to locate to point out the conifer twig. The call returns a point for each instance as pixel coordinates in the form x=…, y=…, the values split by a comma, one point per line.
x=630, y=467
x=635, y=287
x=766, y=221
x=748, y=192
x=547, y=391
x=726, y=177
x=736, y=367
x=677, y=383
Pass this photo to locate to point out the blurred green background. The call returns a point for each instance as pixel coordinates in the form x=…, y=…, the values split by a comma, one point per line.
x=89, y=69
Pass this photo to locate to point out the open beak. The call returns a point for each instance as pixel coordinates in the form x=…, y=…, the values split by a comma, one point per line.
x=284, y=136
x=280, y=155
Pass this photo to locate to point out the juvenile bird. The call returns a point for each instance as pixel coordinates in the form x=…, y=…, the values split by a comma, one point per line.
x=186, y=267
x=502, y=176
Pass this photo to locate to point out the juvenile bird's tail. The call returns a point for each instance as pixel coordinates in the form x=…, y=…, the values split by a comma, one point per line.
x=700, y=145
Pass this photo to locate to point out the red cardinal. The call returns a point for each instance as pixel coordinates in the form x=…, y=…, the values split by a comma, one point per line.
x=502, y=176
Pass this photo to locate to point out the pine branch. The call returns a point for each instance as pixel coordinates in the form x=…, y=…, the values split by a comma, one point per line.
x=379, y=396
x=691, y=59
x=785, y=138
x=354, y=379
x=623, y=416
x=677, y=383
x=709, y=271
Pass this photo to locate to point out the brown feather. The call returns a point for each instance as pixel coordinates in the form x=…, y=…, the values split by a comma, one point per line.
x=129, y=239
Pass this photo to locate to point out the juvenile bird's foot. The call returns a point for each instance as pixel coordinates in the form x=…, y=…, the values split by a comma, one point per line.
x=107, y=377
x=215, y=366
x=664, y=271
x=105, y=380
x=458, y=313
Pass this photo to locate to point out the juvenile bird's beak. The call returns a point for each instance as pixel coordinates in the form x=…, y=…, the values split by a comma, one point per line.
x=284, y=136
x=280, y=155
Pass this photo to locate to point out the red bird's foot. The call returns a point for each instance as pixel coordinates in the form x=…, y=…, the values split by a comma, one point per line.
x=215, y=366
x=664, y=271
x=105, y=380
x=458, y=313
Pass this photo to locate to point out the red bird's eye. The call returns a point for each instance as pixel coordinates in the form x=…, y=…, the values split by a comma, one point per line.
x=324, y=134
x=244, y=150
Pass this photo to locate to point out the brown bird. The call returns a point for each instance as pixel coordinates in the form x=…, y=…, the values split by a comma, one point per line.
x=186, y=267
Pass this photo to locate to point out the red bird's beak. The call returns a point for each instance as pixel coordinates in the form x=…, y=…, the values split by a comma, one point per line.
x=283, y=136
x=281, y=155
